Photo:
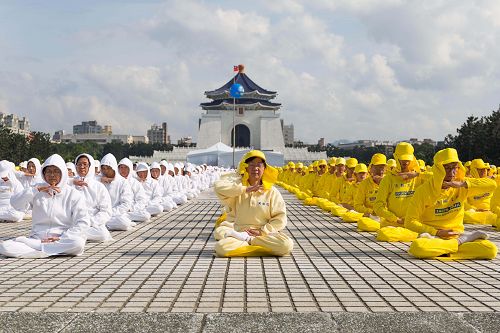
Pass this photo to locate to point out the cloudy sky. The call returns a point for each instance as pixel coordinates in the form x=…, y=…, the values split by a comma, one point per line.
x=365, y=69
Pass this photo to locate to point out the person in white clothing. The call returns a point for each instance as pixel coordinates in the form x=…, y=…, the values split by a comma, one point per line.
x=9, y=185
x=97, y=199
x=152, y=189
x=60, y=218
x=120, y=192
x=137, y=212
x=170, y=187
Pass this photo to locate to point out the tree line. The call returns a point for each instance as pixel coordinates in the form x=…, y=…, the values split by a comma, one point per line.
x=476, y=138
x=17, y=148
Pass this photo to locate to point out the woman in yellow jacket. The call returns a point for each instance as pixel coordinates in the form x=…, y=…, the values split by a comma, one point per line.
x=339, y=194
x=360, y=174
x=367, y=193
x=256, y=213
x=477, y=207
x=436, y=212
x=394, y=193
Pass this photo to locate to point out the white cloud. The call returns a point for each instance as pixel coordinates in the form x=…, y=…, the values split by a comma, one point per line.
x=343, y=69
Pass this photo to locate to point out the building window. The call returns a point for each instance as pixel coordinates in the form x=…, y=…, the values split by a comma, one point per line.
x=241, y=111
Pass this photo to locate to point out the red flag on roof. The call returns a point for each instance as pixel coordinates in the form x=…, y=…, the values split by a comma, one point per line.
x=236, y=68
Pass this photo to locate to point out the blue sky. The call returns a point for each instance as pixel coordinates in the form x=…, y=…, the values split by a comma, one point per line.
x=367, y=69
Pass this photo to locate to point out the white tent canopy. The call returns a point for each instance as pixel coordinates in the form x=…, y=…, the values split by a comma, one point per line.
x=222, y=155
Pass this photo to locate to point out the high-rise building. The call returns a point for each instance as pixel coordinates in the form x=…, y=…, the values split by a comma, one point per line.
x=321, y=142
x=288, y=134
x=15, y=124
x=91, y=127
x=158, y=134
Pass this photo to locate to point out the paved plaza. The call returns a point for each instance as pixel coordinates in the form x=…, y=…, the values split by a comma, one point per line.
x=166, y=269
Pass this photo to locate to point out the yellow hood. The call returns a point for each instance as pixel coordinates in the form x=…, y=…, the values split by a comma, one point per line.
x=351, y=163
x=361, y=167
x=340, y=161
x=475, y=165
x=445, y=156
x=404, y=151
x=270, y=175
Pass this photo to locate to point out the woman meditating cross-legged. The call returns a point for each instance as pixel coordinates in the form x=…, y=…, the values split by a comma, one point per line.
x=256, y=213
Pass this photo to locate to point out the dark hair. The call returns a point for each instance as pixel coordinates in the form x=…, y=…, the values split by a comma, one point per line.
x=82, y=156
x=250, y=159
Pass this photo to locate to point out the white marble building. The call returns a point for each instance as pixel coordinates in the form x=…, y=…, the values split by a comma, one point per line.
x=256, y=119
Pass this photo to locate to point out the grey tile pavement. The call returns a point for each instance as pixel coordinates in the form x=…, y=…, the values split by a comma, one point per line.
x=166, y=266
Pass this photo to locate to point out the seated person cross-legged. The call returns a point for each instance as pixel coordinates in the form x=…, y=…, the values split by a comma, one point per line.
x=436, y=212
x=256, y=213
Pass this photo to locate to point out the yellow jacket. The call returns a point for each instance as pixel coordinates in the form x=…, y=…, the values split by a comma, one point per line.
x=393, y=196
x=340, y=193
x=426, y=214
x=495, y=201
x=365, y=196
x=263, y=210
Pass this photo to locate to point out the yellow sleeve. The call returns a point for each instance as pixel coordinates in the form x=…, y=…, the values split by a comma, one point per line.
x=277, y=222
x=416, y=207
x=476, y=186
x=229, y=187
x=380, y=204
x=335, y=191
x=359, y=199
x=495, y=201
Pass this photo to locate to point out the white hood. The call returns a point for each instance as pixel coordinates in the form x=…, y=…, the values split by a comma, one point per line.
x=92, y=162
x=57, y=161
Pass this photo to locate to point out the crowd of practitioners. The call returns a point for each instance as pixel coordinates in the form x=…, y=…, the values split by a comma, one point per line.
x=71, y=204
x=403, y=200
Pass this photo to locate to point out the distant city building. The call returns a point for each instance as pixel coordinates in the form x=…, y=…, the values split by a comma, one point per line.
x=288, y=134
x=91, y=127
x=99, y=138
x=15, y=124
x=158, y=134
x=365, y=144
x=140, y=138
x=321, y=142
x=415, y=141
x=58, y=136
x=185, y=141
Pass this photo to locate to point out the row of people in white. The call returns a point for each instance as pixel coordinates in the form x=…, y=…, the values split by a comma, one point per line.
x=69, y=211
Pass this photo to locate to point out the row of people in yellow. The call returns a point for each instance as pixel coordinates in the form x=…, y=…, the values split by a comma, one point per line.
x=389, y=197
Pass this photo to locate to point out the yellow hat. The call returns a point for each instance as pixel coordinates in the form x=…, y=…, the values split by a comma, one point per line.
x=421, y=164
x=404, y=151
x=361, y=167
x=270, y=175
x=352, y=162
x=321, y=162
x=442, y=157
x=299, y=166
x=310, y=168
x=378, y=159
x=315, y=164
x=290, y=164
x=332, y=160
x=467, y=164
x=391, y=162
x=478, y=163
x=445, y=156
x=340, y=160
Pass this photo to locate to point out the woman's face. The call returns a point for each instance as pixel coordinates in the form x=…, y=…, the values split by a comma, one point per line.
x=142, y=174
x=256, y=168
x=405, y=165
x=82, y=166
x=155, y=173
x=52, y=175
x=31, y=168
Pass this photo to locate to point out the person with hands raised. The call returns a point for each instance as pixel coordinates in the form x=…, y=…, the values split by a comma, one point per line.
x=436, y=212
x=256, y=212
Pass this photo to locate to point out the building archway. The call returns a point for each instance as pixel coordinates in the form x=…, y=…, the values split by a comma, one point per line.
x=242, y=136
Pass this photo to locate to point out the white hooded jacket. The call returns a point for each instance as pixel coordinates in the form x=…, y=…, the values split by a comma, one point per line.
x=56, y=213
x=97, y=199
x=119, y=189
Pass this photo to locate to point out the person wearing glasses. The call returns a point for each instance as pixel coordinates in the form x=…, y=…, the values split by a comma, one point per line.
x=256, y=212
x=60, y=216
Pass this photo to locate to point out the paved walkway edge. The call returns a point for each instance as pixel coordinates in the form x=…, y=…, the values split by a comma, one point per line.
x=245, y=322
